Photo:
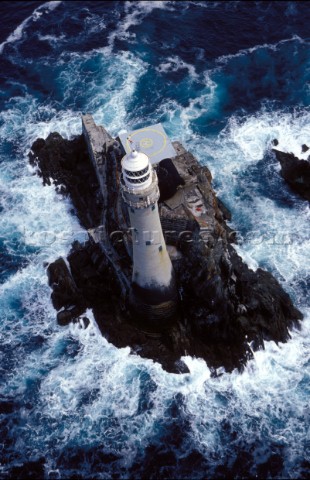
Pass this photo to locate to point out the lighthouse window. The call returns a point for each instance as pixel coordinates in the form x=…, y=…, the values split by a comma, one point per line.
x=137, y=174
x=143, y=179
x=138, y=180
x=153, y=207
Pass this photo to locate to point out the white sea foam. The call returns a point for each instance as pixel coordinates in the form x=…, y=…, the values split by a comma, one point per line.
x=35, y=222
x=206, y=102
x=177, y=118
x=95, y=23
x=41, y=222
x=51, y=39
x=254, y=134
x=36, y=14
x=245, y=140
x=175, y=63
x=270, y=46
x=51, y=5
x=186, y=4
x=134, y=15
x=108, y=97
x=113, y=381
x=264, y=404
x=25, y=119
x=108, y=94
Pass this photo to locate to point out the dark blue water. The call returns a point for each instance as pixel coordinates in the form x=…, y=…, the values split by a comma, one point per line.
x=224, y=78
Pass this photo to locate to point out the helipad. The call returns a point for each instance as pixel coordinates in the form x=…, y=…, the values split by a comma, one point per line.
x=152, y=141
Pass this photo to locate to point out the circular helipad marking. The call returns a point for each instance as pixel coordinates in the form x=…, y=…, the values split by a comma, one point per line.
x=162, y=139
x=146, y=143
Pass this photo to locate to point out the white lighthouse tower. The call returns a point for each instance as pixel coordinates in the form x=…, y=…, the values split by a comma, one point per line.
x=153, y=295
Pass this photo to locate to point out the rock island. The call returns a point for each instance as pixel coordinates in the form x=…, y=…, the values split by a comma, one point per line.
x=159, y=269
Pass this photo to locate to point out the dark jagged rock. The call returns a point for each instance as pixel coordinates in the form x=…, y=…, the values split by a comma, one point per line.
x=66, y=164
x=226, y=213
x=227, y=310
x=6, y=406
x=295, y=171
x=29, y=470
x=65, y=292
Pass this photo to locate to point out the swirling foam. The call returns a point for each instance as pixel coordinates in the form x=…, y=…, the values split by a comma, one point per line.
x=37, y=13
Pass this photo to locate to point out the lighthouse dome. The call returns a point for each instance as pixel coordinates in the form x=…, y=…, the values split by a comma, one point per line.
x=137, y=170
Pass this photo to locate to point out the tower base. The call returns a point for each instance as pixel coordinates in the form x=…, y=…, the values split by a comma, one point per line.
x=152, y=317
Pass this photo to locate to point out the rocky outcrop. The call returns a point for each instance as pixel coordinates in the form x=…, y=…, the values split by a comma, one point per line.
x=226, y=310
x=295, y=171
x=65, y=164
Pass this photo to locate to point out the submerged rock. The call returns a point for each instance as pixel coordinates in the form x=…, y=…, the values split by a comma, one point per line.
x=295, y=171
x=226, y=311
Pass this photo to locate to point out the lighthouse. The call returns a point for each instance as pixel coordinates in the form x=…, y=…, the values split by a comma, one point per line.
x=153, y=296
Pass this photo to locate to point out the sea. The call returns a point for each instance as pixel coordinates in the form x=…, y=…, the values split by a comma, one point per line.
x=225, y=78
